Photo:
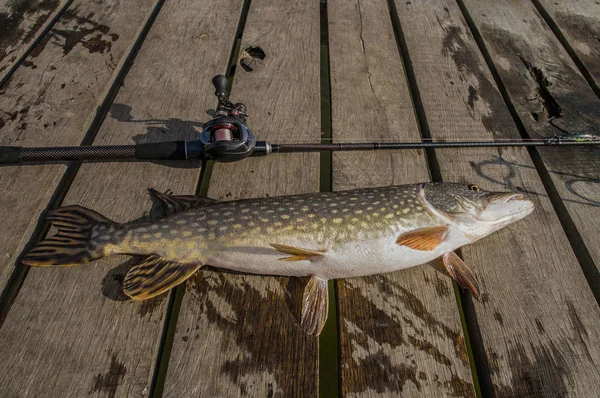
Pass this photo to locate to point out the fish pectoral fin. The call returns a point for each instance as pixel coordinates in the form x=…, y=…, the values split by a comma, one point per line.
x=156, y=275
x=176, y=203
x=425, y=239
x=459, y=271
x=315, y=305
x=297, y=253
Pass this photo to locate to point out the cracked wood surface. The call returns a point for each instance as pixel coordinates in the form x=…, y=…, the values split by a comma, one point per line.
x=21, y=21
x=51, y=100
x=550, y=97
x=579, y=22
x=400, y=333
x=237, y=331
x=538, y=319
x=71, y=331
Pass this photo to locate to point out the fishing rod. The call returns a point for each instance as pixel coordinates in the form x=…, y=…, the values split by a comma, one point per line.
x=227, y=138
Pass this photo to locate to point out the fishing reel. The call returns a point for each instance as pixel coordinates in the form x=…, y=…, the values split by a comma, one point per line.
x=226, y=138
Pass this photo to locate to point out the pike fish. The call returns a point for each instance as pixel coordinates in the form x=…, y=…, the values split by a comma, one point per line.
x=322, y=236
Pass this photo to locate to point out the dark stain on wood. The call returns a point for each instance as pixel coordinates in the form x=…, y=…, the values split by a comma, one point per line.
x=554, y=94
x=584, y=29
x=544, y=374
x=540, y=326
x=249, y=314
x=12, y=20
x=74, y=29
x=468, y=64
x=109, y=382
x=498, y=318
x=385, y=375
x=580, y=334
x=441, y=287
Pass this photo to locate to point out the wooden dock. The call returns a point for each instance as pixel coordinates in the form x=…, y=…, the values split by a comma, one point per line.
x=91, y=72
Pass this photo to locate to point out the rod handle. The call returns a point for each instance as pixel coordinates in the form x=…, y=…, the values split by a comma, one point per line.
x=10, y=154
x=174, y=150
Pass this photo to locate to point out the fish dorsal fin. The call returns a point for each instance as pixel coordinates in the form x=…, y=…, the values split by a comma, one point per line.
x=176, y=203
x=459, y=271
x=424, y=239
x=297, y=253
x=156, y=275
x=315, y=305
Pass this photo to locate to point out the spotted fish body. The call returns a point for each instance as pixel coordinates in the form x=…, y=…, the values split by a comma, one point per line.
x=238, y=235
x=323, y=236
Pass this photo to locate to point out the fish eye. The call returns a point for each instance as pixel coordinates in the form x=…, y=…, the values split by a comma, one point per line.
x=474, y=188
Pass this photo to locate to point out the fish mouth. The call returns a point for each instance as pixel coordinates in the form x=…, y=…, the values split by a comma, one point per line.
x=505, y=207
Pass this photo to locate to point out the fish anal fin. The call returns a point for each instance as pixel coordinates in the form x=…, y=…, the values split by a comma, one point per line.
x=156, y=275
x=459, y=271
x=424, y=239
x=297, y=254
x=176, y=203
x=315, y=305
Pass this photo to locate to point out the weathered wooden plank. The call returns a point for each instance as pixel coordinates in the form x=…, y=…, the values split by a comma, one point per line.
x=21, y=21
x=53, y=100
x=399, y=332
x=235, y=334
x=579, y=22
x=71, y=331
x=538, y=319
x=551, y=97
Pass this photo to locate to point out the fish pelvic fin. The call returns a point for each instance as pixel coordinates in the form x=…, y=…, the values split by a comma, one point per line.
x=425, y=239
x=156, y=275
x=459, y=271
x=81, y=238
x=315, y=305
x=297, y=253
x=176, y=203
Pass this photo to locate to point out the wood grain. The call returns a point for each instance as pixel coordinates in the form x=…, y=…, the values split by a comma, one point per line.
x=236, y=331
x=71, y=331
x=52, y=101
x=551, y=97
x=579, y=22
x=538, y=318
x=21, y=21
x=400, y=333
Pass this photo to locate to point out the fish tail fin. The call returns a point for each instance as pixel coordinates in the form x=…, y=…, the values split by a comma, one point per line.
x=82, y=237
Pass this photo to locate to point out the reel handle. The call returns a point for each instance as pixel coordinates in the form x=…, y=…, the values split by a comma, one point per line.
x=220, y=83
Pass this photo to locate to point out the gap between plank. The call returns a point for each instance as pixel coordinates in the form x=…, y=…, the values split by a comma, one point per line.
x=19, y=274
x=565, y=43
x=470, y=328
x=49, y=25
x=173, y=309
x=329, y=342
x=586, y=262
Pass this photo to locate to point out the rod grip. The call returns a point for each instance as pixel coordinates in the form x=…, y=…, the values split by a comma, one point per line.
x=10, y=154
x=174, y=150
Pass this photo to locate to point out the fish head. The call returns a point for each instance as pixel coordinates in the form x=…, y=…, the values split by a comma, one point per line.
x=473, y=210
